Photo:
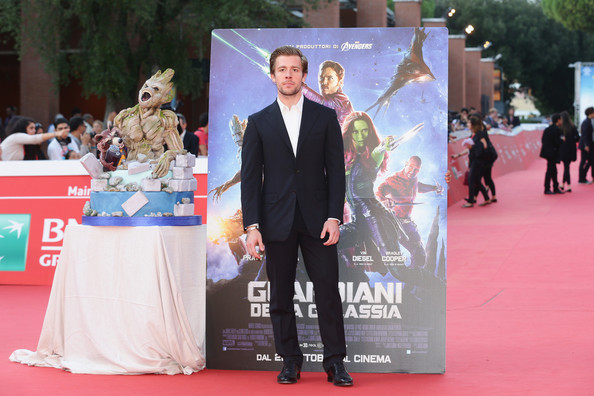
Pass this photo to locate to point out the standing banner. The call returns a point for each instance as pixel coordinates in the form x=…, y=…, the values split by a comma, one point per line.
x=389, y=89
x=584, y=89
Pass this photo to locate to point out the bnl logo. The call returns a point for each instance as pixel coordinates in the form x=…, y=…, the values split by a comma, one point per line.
x=14, y=237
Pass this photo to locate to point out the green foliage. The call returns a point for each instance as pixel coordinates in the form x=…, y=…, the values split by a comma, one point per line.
x=428, y=9
x=536, y=51
x=111, y=46
x=573, y=14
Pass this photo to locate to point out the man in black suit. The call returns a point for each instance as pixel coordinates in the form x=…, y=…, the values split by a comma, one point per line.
x=586, y=146
x=551, y=143
x=292, y=195
x=191, y=141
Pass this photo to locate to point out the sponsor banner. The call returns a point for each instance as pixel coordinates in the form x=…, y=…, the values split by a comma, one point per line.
x=392, y=250
x=34, y=211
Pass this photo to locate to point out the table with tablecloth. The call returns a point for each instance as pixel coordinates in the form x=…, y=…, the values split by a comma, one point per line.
x=126, y=300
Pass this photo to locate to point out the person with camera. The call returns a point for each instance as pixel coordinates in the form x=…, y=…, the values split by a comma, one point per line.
x=58, y=147
x=21, y=132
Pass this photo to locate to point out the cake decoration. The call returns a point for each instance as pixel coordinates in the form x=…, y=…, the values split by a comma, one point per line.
x=135, y=177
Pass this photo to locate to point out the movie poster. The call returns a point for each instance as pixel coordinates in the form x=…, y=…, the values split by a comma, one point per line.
x=392, y=249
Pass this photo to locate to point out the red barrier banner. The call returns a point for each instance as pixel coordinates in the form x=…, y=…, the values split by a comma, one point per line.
x=37, y=200
x=516, y=149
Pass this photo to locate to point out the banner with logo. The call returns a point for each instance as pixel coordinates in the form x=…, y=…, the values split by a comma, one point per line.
x=392, y=249
x=37, y=202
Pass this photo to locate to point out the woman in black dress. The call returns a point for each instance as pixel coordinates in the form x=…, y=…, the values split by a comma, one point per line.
x=568, y=148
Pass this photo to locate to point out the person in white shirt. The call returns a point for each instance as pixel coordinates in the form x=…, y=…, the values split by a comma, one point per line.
x=21, y=131
x=62, y=144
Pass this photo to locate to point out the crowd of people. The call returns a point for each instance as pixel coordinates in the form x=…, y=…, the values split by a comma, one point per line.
x=460, y=121
x=22, y=138
x=560, y=143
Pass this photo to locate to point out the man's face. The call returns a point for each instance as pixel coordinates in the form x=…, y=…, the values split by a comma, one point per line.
x=411, y=169
x=183, y=124
x=360, y=133
x=288, y=75
x=329, y=81
x=559, y=122
x=63, y=126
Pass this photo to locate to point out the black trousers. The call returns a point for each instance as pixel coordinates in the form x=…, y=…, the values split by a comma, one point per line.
x=321, y=263
x=585, y=163
x=551, y=176
x=487, y=170
x=566, y=174
x=474, y=182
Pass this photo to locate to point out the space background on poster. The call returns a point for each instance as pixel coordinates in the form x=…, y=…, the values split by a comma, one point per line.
x=394, y=311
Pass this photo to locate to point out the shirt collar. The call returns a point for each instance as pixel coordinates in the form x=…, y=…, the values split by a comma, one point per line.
x=298, y=106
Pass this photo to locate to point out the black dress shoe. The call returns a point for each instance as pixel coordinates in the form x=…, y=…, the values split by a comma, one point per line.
x=549, y=192
x=290, y=373
x=338, y=374
x=557, y=191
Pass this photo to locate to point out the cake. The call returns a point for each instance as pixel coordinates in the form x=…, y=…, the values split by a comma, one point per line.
x=135, y=193
x=135, y=181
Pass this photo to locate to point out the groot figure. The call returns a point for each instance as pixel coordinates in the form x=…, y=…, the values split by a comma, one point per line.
x=146, y=128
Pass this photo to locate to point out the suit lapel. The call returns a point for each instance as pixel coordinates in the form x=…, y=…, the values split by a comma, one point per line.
x=308, y=118
x=278, y=124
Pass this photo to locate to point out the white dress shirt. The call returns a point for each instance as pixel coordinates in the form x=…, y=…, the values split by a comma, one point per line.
x=292, y=119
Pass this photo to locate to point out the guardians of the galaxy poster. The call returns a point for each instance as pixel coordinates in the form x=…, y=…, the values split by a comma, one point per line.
x=389, y=89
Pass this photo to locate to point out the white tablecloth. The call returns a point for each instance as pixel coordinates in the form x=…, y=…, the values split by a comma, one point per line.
x=126, y=300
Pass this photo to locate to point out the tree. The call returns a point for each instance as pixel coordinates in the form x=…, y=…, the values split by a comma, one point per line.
x=111, y=46
x=536, y=51
x=573, y=14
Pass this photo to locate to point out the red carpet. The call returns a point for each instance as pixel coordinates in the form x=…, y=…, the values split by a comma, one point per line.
x=519, y=320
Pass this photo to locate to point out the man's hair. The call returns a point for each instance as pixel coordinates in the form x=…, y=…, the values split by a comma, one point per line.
x=76, y=122
x=60, y=121
x=181, y=117
x=88, y=117
x=493, y=109
x=337, y=67
x=555, y=118
x=287, y=50
x=463, y=109
x=416, y=159
x=589, y=111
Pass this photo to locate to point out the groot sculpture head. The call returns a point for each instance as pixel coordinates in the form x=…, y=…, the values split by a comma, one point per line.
x=156, y=90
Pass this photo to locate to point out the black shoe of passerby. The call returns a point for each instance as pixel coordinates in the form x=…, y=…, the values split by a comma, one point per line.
x=557, y=191
x=549, y=192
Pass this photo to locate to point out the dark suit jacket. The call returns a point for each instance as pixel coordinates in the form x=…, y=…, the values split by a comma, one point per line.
x=551, y=142
x=513, y=121
x=586, y=133
x=191, y=143
x=274, y=180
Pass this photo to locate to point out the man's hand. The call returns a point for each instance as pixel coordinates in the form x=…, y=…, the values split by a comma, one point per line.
x=330, y=228
x=253, y=240
x=85, y=139
x=587, y=148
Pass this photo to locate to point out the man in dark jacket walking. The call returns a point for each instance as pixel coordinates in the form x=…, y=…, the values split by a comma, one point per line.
x=551, y=142
x=585, y=146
